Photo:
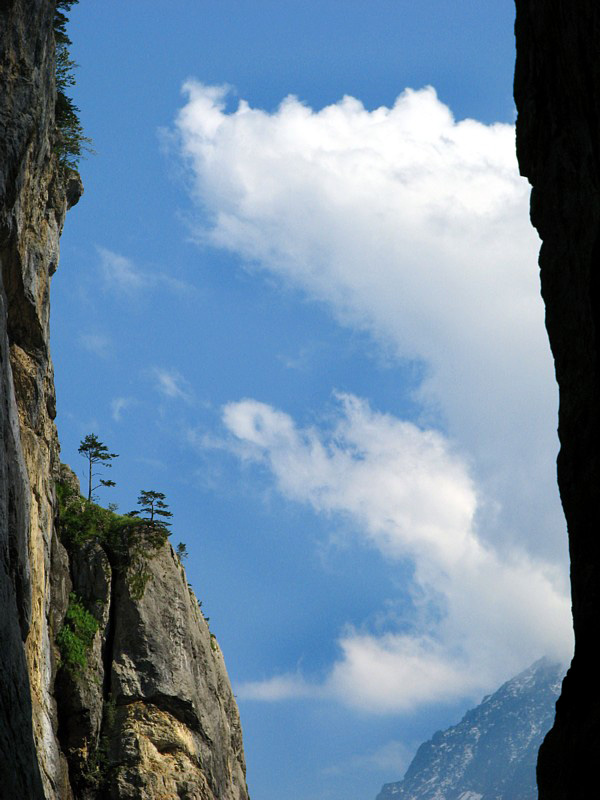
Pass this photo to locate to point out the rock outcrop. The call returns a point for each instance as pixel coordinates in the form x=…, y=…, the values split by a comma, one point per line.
x=557, y=92
x=151, y=714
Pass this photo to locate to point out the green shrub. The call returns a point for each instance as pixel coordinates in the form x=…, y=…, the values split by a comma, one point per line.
x=76, y=636
x=129, y=542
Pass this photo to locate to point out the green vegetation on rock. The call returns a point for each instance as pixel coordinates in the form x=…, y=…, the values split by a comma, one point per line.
x=70, y=141
x=129, y=542
x=76, y=636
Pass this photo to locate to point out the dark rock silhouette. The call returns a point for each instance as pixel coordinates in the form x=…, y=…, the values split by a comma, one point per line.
x=557, y=92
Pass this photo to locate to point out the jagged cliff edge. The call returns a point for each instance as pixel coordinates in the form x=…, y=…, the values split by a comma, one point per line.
x=557, y=93
x=155, y=702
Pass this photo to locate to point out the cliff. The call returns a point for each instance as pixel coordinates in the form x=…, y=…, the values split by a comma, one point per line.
x=557, y=91
x=148, y=711
x=145, y=708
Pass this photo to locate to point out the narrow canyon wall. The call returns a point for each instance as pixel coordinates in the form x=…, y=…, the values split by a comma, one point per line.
x=32, y=207
x=151, y=714
x=557, y=92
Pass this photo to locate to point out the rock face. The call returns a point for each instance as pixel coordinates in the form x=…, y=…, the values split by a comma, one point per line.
x=491, y=753
x=32, y=209
x=152, y=714
x=557, y=91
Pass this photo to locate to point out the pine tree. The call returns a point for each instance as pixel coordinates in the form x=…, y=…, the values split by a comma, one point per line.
x=182, y=551
x=154, y=508
x=95, y=452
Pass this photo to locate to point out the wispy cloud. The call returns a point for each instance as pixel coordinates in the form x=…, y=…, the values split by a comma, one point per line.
x=120, y=273
x=96, y=343
x=122, y=276
x=479, y=614
x=302, y=361
x=280, y=687
x=171, y=384
x=394, y=757
x=120, y=405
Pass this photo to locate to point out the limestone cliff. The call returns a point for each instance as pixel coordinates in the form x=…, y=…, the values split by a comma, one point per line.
x=557, y=91
x=149, y=711
x=152, y=714
x=32, y=208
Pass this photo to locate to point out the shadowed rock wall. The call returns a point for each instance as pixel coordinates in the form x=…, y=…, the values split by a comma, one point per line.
x=557, y=92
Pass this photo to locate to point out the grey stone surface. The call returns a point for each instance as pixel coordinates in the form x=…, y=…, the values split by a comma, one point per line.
x=152, y=715
x=165, y=657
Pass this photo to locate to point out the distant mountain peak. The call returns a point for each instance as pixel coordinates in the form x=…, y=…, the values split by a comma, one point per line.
x=491, y=753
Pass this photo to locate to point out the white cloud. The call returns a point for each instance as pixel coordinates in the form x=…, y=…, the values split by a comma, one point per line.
x=280, y=687
x=402, y=483
x=172, y=384
x=415, y=227
x=479, y=615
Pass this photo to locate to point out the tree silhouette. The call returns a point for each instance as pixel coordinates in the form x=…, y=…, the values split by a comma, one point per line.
x=95, y=452
x=154, y=508
x=70, y=140
x=182, y=551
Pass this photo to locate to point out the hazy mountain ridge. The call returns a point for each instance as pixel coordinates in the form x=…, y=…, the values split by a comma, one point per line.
x=492, y=752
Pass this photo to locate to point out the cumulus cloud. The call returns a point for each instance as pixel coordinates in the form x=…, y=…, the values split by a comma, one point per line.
x=478, y=614
x=413, y=226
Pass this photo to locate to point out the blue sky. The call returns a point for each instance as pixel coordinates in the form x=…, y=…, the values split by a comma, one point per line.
x=299, y=296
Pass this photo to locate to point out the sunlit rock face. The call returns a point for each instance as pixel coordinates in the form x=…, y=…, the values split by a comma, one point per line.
x=491, y=753
x=32, y=209
x=152, y=714
x=557, y=92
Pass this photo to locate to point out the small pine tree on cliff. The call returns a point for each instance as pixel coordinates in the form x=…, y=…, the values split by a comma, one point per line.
x=95, y=452
x=154, y=508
